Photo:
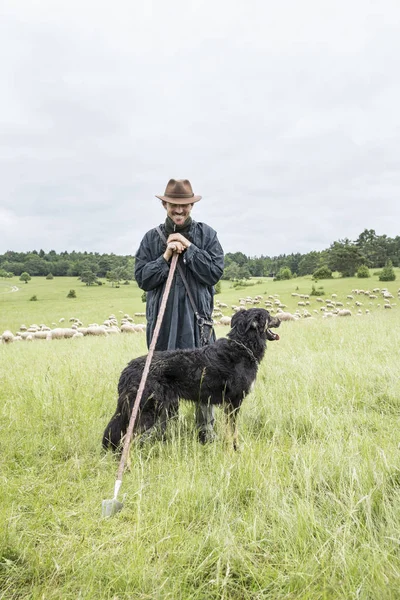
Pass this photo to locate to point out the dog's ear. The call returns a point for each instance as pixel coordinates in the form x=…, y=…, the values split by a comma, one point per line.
x=260, y=319
x=253, y=318
x=239, y=321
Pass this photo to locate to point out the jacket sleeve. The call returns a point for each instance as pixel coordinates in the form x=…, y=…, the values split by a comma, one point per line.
x=206, y=265
x=151, y=271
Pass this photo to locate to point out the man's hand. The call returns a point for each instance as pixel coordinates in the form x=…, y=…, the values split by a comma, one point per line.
x=177, y=237
x=174, y=246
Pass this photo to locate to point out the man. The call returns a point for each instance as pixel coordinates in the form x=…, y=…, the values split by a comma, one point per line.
x=201, y=259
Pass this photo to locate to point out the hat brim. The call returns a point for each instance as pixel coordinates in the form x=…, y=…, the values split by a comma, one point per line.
x=174, y=200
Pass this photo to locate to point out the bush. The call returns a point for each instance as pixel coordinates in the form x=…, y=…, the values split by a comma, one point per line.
x=241, y=283
x=50, y=276
x=144, y=297
x=25, y=277
x=33, y=298
x=284, y=273
x=363, y=272
x=323, y=272
x=71, y=294
x=317, y=292
x=127, y=282
x=217, y=287
x=387, y=273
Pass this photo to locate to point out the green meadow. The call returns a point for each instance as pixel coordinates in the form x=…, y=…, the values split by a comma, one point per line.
x=309, y=508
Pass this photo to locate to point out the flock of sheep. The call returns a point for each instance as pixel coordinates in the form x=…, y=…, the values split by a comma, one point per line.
x=354, y=303
x=329, y=307
x=76, y=330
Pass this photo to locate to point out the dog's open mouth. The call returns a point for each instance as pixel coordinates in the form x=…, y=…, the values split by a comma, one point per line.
x=273, y=323
x=271, y=336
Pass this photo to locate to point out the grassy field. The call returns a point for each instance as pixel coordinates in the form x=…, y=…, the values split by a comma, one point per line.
x=308, y=509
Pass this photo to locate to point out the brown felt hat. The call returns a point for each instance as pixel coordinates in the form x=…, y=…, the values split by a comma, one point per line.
x=179, y=191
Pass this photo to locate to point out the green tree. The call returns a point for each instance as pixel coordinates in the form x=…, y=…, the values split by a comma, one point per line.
x=25, y=277
x=88, y=277
x=231, y=272
x=323, y=272
x=363, y=272
x=345, y=257
x=309, y=263
x=244, y=272
x=387, y=273
x=284, y=273
x=117, y=275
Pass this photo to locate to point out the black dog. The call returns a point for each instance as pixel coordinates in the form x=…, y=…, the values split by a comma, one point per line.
x=221, y=373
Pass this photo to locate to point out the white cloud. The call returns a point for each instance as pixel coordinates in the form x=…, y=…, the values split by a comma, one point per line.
x=283, y=115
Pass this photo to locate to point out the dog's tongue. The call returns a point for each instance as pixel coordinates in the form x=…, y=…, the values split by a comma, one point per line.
x=271, y=336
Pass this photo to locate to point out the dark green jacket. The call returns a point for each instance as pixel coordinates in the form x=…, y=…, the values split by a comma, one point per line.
x=203, y=265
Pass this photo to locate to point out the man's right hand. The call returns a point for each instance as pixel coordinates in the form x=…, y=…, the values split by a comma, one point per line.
x=172, y=247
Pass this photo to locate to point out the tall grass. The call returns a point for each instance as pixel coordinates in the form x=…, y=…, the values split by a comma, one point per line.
x=309, y=508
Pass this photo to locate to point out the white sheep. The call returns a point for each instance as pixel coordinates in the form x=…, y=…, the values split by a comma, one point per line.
x=7, y=337
x=96, y=330
x=285, y=316
x=127, y=328
x=225, y=321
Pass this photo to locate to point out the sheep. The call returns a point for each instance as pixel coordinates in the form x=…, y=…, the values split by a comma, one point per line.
x=142, y=314
x=96, y=330
x=39, y=335
x=61, y=332
x=285, y=316
x=225, y=321
x=82, y=330
x=127, y=328
x=344, y=312
x=7, y=337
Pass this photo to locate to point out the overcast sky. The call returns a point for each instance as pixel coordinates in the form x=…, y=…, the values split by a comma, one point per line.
x=285, y=117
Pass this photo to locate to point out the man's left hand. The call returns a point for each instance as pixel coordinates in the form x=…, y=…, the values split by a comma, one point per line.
x=177, y=237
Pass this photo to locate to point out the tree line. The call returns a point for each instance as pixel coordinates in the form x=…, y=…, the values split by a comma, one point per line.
x=88, y=266
x=345, y=256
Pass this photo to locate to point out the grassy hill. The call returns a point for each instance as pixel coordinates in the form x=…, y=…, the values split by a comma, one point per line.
x=308, y=509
